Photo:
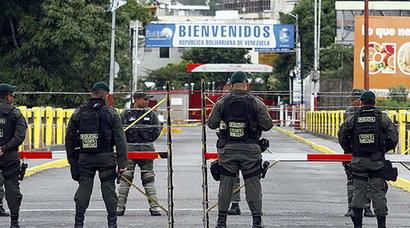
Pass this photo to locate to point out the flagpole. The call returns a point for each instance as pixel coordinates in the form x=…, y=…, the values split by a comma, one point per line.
x=112, y=66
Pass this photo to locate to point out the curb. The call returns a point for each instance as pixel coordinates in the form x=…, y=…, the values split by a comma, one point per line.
x=314, y=145
x=400, y=182
x=49, y=165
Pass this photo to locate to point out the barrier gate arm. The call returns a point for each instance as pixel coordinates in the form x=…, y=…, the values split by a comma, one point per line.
x=35, y=154
x=146, y=155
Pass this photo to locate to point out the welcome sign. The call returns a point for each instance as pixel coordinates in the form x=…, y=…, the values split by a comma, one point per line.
x=219, y=35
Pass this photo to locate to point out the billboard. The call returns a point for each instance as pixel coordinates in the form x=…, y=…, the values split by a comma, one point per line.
x=219, y=35
x=220, y=67
x=389, y=53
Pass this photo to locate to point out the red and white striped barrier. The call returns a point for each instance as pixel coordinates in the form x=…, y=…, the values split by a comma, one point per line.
x=36, y=154
x=295, y=157
x=146, y=155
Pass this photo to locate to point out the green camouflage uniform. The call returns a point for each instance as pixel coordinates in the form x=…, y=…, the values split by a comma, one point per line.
x=235, y=157
x=104, y=162
x=10, y=161
x=146, y=167
x=363, y=166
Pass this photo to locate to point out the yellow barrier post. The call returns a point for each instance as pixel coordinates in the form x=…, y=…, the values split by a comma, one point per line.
x=322, y=122
x=332, y=121
x=23, y=146
x=59, y=125
x=392, y=115
x=68, y=114
x=326, y=122
x=308, y=121
x=408, y=133
x=49, y=134
x=339, y=115
x=402, y=130
x=36, y=127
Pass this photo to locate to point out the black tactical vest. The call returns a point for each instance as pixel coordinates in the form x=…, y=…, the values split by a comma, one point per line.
x=367, y=131
x=7, y=127
x=94, y=131
x=140, y=132
x=239, y=120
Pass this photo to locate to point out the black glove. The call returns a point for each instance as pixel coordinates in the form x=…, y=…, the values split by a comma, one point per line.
x=215, y=170
x=264, y=144
x=23, y=168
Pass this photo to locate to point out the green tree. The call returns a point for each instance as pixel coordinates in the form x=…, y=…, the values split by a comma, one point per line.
x=399, y=93
x=396, y=100
x=305, y=11
x=337, y=62
x=62, y=45
x=176, y=74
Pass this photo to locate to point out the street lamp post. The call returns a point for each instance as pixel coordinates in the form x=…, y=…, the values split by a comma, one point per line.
x=291, y=75
x=297, y=71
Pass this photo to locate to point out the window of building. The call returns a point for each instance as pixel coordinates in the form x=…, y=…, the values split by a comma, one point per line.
x=164, y=52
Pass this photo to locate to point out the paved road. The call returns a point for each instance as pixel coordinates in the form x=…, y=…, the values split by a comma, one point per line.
x=296, y=194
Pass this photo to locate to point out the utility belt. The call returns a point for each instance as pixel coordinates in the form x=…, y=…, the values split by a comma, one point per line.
x=263, y=143
x=260, y=169
x=377, y=156
x=104, y=151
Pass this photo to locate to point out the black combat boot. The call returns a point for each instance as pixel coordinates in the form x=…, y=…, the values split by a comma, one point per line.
x=348, y=212
x=79, y=221
x=3, y=213
x=235, y=210
x=381, y=221
x=14, y=221
x=257, y=221
x=112, y=221
x=368, y=212
x=357, y=217
x=120, y=210
x=221, y=219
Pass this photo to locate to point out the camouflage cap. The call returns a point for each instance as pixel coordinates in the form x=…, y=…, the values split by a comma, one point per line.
x=141, y=94
x=4, y=87
x=356, y=92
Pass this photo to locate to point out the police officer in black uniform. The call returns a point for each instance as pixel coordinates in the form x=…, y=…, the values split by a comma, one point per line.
x=92, y=131
x=241, y=118
x=12, y=133
x=368, y=135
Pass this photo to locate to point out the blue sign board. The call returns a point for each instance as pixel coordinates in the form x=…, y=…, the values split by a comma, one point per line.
x=220, y=35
